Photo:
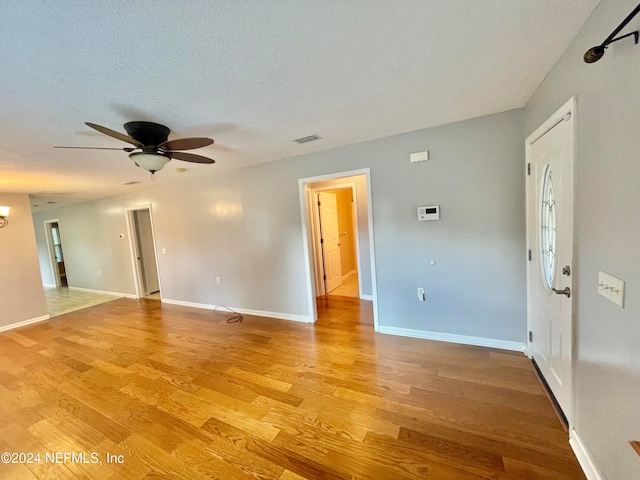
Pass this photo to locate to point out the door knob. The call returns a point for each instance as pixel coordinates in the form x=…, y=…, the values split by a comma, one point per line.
x=566, y=291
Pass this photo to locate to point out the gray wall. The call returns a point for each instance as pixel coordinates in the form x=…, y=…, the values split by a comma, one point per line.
x=476, y=174
x=245, y=227
x=21, y=292
x=89, y=235
x=607, y=382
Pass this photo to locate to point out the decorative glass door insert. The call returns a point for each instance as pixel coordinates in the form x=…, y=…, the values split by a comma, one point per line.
x=547, y=229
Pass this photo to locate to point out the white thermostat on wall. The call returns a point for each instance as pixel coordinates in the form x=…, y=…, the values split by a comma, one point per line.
x=429, y=213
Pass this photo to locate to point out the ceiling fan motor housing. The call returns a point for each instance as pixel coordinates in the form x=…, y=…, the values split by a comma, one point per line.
x=147, y=133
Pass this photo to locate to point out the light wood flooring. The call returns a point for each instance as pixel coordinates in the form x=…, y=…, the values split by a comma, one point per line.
x=349, y=287
x=178, y=393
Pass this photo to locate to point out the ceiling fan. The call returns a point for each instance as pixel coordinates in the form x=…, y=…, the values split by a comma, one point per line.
x=155, y=150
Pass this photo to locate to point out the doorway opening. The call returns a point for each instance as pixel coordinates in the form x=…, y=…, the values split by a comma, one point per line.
x=338, y=237
x=56, y=254
x=335, y=239
x=143, y=253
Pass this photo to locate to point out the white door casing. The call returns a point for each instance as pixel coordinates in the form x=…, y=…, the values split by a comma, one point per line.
x=135, y=249
x=147, y=251
x=330, y=232
x=550, y=209
x=306, y=224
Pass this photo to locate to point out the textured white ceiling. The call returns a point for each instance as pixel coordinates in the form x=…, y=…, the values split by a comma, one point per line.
x=253, y=75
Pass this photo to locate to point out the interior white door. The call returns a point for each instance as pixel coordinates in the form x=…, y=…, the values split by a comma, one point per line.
x=550, y=158
x=147, y=252
x=330, y=240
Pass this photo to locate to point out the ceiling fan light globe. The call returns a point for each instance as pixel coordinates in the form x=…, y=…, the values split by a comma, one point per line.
x=152, y=162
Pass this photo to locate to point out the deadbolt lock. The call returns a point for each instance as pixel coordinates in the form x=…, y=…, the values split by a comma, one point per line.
x=566, y=271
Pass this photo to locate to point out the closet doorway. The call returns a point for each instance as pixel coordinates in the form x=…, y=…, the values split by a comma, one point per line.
x=143, y=252
x=56, y=254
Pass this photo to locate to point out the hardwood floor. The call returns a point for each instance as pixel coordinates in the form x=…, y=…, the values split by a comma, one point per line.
x=349, y=288
x=176, y=392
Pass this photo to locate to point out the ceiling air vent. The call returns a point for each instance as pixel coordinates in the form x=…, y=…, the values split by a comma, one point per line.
x=308, y=138
x=130, y=183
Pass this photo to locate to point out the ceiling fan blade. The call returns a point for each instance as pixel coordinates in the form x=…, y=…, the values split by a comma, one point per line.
x=126, y=149
x=186, y=143
x=113, y=133
x=190, y=157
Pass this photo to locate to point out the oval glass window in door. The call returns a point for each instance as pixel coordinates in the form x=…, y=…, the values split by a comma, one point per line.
x=547, y=229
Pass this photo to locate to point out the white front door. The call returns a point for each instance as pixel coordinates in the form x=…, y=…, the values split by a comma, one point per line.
x=550, y=162
x=330, y=234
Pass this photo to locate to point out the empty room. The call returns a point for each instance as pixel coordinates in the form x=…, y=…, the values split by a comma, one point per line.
x=288, y=240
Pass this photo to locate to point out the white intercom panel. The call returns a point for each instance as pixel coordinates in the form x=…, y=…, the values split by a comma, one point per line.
x=429, y=213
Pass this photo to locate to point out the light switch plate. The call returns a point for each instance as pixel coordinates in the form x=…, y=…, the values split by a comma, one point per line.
x=611, y=288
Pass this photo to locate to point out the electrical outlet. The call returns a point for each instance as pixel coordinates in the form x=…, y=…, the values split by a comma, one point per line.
x=421, y=294
x=99, y=273
x=611, y=288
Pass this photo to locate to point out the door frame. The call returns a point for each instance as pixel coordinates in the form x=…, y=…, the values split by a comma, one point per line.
x=315, y=232
x=307, y=239
x=55, y=272
x=570, y=107
x=133, y=248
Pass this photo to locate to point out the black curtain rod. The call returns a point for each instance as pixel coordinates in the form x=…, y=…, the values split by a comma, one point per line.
x=595, y=53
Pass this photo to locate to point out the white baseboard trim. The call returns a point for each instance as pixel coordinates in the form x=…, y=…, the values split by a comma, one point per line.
x=24, y=323
x=246, y=311
x=48, y=285
x=584, y=459
x=366, y=297
x=453, y=338
x=103, y=292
